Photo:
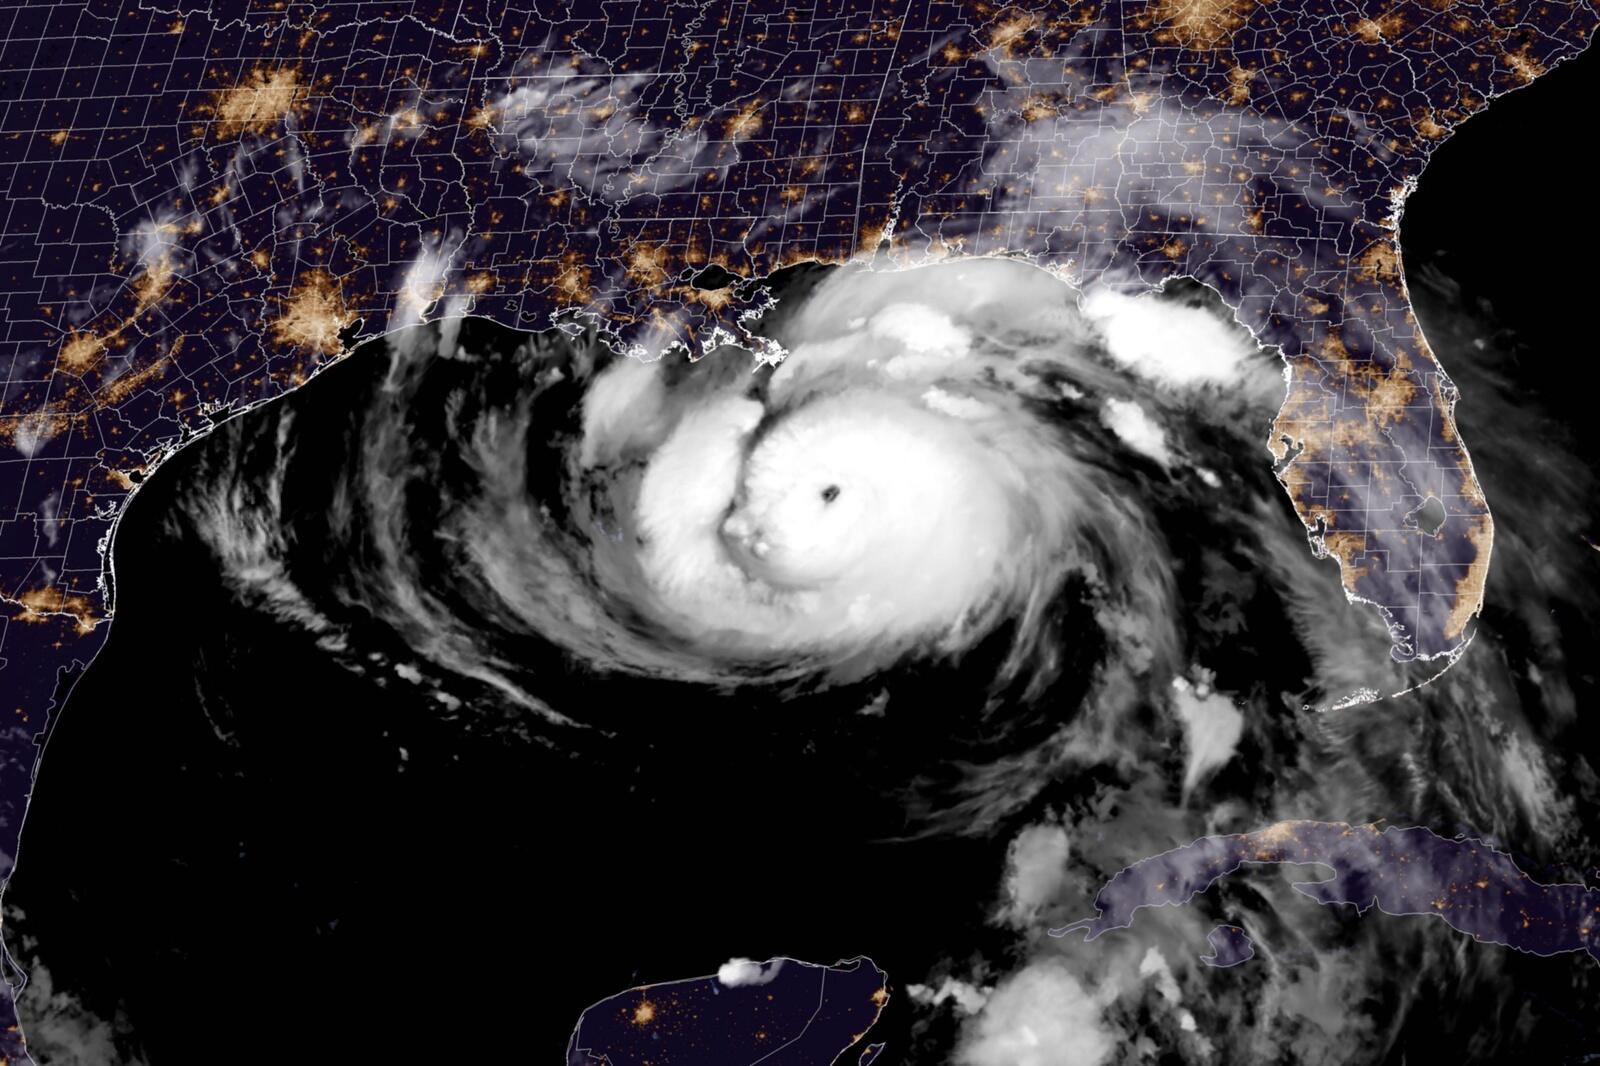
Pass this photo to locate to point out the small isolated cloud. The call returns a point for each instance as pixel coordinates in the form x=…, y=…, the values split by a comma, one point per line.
x=1137, y=429
x=1212, y=726
x=1155, y=965
x=1041, y=1016
x=1035, y=868
x=968, y=998
x=736, y=973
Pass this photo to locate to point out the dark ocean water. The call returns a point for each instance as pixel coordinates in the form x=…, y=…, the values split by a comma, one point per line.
x=247, y=846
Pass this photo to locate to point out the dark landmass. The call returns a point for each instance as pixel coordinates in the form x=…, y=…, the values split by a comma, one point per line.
x=1473, y=887
x=1229, y=947
x=786, y=1013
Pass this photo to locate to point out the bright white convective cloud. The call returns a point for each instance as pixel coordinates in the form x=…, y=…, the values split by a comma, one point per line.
x=1137, y=429
x=738, y=972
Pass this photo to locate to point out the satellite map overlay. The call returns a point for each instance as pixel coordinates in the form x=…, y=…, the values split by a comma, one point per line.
x=799, y=533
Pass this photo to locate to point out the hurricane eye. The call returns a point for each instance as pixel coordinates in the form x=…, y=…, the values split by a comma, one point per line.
x=830, y=494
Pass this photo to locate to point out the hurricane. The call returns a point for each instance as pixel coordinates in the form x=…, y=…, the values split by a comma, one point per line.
x=914, y=622
x=944, y=467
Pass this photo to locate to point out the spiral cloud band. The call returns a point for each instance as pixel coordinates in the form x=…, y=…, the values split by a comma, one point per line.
x=883, y=485
x=954, y=466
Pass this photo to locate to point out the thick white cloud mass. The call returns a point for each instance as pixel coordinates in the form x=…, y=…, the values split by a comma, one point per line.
x=1041, y=1016
x=1035, y=871
x=1171, y=344
x=891, y=483
x=737, y=972
x=1137, y=429
x=1212, y=726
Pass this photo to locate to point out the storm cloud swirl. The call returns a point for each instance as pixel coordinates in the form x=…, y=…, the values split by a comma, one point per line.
x=982, y=592
x=960, y=481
